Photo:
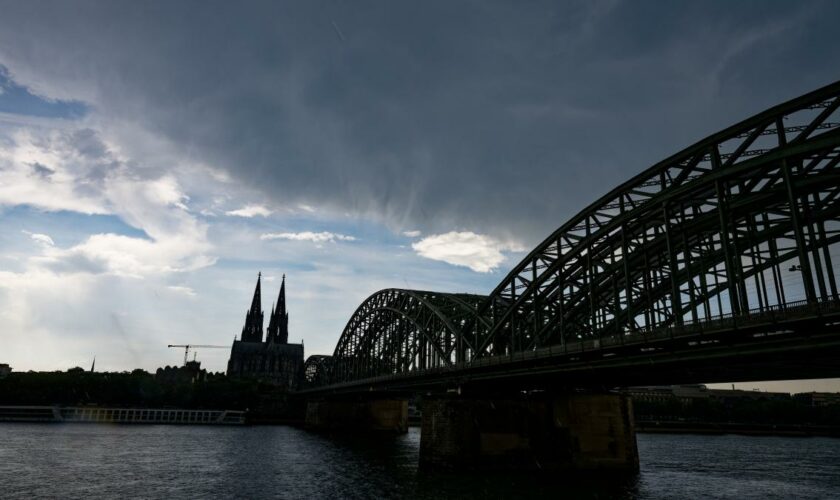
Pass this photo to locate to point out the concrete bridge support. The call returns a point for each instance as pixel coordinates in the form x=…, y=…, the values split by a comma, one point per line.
x=550, y=432
x=358, y=415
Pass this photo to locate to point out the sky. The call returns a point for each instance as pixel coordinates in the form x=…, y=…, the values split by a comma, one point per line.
x=155, y=156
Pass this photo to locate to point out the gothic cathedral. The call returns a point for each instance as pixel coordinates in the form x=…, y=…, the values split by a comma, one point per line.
x=274, y=360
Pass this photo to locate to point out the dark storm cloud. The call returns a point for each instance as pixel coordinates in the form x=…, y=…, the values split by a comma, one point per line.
x=503, y=118
x=42, y=170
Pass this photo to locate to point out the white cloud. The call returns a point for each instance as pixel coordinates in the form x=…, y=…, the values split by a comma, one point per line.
x=250, y=211
x=43, y=239
x=30, y=151
x=478, y=252
x=322, y=237
x=74, y=169
x=412, y=234
x=189, y=292
x=128, y=256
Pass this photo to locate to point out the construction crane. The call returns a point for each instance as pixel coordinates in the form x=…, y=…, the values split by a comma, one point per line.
x=187, y=348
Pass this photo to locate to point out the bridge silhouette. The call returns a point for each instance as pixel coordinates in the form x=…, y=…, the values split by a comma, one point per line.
x=715, y=264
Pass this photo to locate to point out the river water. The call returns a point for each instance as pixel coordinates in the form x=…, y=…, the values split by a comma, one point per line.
x=138, y=461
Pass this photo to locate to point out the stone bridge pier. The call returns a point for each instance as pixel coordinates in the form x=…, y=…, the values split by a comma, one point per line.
x=546, y=431
x=539, y=431
x=357, y=414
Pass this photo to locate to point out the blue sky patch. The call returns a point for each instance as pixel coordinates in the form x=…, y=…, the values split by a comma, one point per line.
x=64, y=227
x=18, y=100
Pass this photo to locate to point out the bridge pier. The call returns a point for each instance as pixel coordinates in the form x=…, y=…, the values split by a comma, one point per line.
x=548, y=432
x=358, y=415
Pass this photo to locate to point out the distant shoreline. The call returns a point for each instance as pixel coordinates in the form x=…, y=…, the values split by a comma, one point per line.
x=120, y=415
x=746, y=429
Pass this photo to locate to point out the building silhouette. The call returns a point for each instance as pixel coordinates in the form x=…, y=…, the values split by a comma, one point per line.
x=273, y=360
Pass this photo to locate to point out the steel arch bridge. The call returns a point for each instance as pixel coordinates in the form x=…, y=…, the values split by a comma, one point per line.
x=399, y=331
x=737, y=227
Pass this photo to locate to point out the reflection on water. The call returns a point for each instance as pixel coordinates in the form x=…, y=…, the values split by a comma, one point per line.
x=73, y=461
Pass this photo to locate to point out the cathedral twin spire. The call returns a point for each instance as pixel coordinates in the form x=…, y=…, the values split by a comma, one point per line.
x=252, y=331
x=278, y=323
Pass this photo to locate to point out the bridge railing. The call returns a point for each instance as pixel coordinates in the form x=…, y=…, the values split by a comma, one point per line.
x=775, y=313
x=723, y=322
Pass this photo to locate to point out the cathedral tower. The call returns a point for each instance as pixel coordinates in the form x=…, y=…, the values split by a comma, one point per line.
x=252, y=331
x=278, y=325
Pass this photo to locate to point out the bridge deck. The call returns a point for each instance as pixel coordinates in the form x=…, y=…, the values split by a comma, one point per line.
x=801, y=340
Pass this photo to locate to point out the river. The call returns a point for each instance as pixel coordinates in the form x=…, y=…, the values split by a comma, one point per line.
x=146, y=461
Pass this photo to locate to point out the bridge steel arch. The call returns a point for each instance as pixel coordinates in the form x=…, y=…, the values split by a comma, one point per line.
x=316, y=370
x=742, y=222
x=398, y=331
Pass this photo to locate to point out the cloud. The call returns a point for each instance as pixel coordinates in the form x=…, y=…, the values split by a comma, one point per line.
x=127, y=256
x=43, y=239
x=311, y=122
x=322, y=237
x=43, y=168
x=478, y=252
x=75, y=169
x=250, y=211
x=412, y=234
x=185, y=290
